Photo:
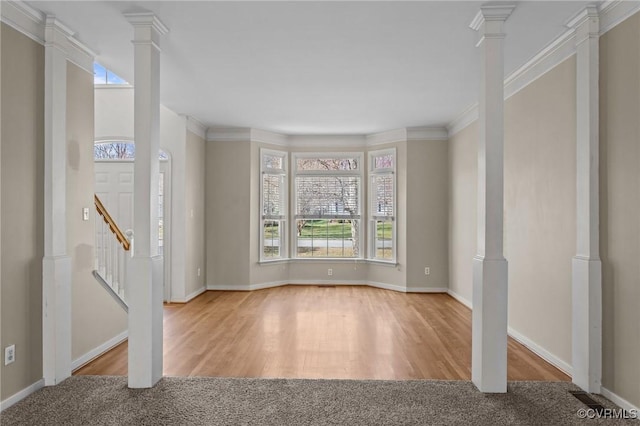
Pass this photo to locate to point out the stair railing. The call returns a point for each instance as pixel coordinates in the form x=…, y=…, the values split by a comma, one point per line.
x=112, y=252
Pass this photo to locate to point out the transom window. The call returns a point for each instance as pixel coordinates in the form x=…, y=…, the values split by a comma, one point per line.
x=382, y=205
x=327, y=204
x=119, y=150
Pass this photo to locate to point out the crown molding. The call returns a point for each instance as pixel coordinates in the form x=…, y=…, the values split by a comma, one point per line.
x=427, y=133
x=610, y=14
x=272, y=138
x=47, y=30
x=464, y=119
x=228, y=134
x=614, y=12
x=24, y=19
x=327, y=141
x=196, y=127
x=390, y=136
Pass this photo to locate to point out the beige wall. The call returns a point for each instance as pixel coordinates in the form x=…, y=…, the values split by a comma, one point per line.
x=194, y=197
x=96, y=317
x=619, y=206
x=228, y=213
x=540, y=208
x=22, y=195
x=427, y=214
x=463, y=178
x=539, y=226
x=233, y=253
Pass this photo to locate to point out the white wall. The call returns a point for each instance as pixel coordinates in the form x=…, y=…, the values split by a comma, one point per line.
x=195, y=217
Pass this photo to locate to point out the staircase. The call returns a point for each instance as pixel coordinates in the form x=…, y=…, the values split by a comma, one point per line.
x=113, y=255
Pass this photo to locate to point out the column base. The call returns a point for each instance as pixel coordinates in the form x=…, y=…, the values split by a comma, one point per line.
x=56, y=319
x=489, y=325
x=145, y=297
x=586, y=346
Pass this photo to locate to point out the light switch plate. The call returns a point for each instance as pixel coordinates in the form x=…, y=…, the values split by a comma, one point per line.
x=85, y=213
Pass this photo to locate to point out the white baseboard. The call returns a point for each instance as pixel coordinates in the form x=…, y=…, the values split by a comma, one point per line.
x=96, y=352
x=541, y=352
x=271, y=284
x=525, y=341
x=19, y=396
x=619, y=401
x=190, y=296
x=386, y=286
x=259, y=286
x=427, y=289
x=459, y=298
x=326, y=282
x=224, y=287
x=375, y=284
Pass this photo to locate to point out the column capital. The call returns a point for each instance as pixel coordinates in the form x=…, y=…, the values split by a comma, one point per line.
x=491, y=13
x=56, y=34
x=585, y=23
x=489, y=21
x=146, y=20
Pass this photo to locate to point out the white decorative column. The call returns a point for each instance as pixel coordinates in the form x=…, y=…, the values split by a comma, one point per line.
x=56, y=265
x=586, y=345
x=145, y=292
x=489, y=316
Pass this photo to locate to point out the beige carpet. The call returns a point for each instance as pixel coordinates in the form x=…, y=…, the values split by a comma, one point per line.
x=106, y=400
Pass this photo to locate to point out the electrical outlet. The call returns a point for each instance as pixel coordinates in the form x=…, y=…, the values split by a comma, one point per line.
x=9, y=354
x=427, y=271
x=330, y=272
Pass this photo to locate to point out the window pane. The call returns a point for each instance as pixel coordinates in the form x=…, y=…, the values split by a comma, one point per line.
x=327, y=238
x=273, y=162
x=325, y=164
x=327, y=196
x=99, y=74
x=272, y=235
x=114, y=79
x=114, y=151
x=383, y=161
x=382, y=195
x=272, y=195
x=384, y=239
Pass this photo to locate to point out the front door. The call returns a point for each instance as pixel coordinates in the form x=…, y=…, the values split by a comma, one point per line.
x=114, y=187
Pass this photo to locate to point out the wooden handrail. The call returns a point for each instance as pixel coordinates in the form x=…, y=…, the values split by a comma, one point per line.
x=122, y=239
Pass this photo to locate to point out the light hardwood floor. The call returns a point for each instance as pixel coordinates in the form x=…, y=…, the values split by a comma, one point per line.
x=322, y=332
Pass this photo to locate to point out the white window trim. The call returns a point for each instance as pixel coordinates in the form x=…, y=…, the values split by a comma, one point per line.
x=371, y=226
x=285, y=210
x=294, y=198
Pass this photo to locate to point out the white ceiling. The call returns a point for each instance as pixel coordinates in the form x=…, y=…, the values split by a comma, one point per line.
x=314, y=67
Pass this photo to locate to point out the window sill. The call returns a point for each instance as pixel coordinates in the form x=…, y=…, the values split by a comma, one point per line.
x=329, y=260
